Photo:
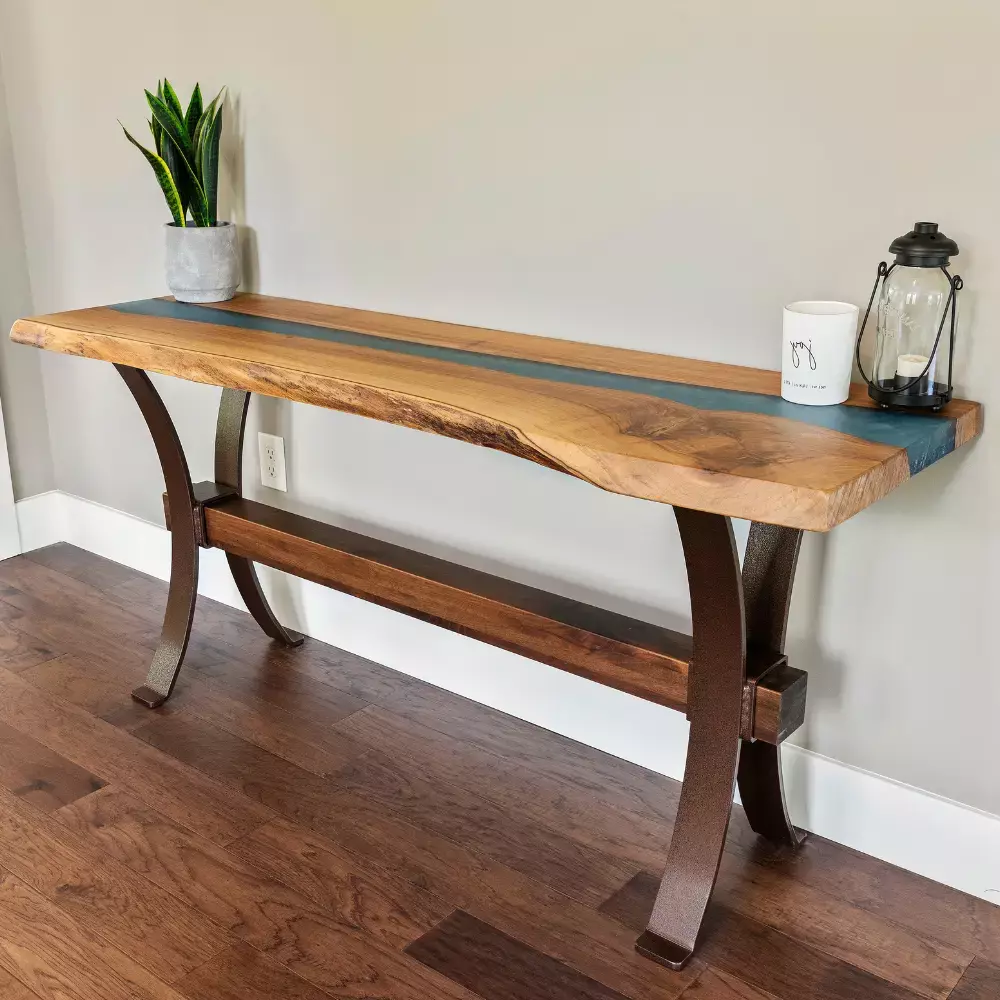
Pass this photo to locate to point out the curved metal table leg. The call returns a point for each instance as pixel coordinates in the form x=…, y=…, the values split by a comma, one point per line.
x=229, y=433
x=183, y=542
x=716, y=682
x=768, y=574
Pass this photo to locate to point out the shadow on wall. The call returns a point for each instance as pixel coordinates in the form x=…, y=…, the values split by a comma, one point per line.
x=803, y=646
x=232, y=189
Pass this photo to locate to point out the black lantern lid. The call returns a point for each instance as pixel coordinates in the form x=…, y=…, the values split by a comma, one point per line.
x=923, y=246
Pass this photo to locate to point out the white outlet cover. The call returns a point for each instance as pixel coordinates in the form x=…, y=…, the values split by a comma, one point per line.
x=272, y=461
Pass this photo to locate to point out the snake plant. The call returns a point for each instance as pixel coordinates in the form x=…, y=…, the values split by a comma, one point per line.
x=185, y=157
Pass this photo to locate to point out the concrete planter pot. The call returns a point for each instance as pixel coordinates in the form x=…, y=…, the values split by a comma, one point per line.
x=203, y=262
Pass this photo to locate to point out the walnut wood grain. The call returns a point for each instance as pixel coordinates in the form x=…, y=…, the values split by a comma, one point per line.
x=540, y=852
x=202, y=805
x=349, y=945
x=715, y=985
x=243, y=973
x=743, y=464
x=19, y=651
x=633, y=656
x=520, y=906
x=40, y=776
x=495, y=965
x=980, y=982
x=145, y=923
x=60, y=958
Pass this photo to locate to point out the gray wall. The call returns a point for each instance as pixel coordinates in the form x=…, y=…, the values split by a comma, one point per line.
x=651, y=174
x=20, y=370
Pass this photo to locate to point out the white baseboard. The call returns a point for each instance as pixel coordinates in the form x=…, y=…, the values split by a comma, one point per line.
x=924, y=833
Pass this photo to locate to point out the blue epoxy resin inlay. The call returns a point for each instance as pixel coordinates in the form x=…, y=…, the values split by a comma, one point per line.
x=925, y=437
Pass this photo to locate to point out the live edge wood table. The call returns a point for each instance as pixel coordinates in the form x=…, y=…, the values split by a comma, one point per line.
x=713, y=441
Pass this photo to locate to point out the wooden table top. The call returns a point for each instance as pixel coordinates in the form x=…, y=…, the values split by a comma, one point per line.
x=696, y=434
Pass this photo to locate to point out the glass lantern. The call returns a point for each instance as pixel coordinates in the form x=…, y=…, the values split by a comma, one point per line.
x=916, y=318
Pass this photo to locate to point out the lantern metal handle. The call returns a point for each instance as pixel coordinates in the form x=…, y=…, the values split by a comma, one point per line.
x=955, y=285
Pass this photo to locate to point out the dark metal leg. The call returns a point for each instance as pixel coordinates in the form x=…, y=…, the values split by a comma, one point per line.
x=183, y=542
x=715, y=698
x=768, y=573
x=229, y=471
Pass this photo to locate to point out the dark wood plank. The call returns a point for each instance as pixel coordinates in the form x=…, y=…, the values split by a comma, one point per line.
x=313, y=669
x=536, y=914
x=237, y=895
x=930, y=909
x=83, y=566
x=88, y=681
x=18, y=650
x=187, y=796
x=243, y=973
x=760, y=955
x=620, y=784
x=466, y=818
x=268, y=677
x=275, y=783
x=539, y=851
x=584, y=815
x=715, y=985
x=61, y=958
x=33, y=587
x=497, y=966
x=104, y=690
x=40, y=776
x=146, y=923
x=882, y=947
x=46, y=624
x=980, y=982
x=348, y=941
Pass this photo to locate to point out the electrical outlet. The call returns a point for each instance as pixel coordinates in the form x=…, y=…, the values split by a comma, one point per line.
x=272, y=461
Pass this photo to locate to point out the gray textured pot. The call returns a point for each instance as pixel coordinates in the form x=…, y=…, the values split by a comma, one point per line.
x=203, y=263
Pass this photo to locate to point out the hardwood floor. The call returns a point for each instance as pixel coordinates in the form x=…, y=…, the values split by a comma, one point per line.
x=305, y=824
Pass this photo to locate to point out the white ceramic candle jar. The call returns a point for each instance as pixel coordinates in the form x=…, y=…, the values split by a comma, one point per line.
x=817, y=352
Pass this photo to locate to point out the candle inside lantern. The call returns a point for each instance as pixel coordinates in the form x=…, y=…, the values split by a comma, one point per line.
x=911, y=365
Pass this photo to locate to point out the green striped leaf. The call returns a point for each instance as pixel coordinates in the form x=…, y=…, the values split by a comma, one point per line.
x=208, y=116
x=209, y=164
x=154, y=125
x=194, y=111
x=181, y=155
x=163, y=176
x=157, y=133
x=180, y=173
x=171, y=123
x=172, y=101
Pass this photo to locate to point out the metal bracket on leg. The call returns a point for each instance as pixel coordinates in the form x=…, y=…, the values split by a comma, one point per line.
x=716, y=681
x=184, y=513
x=768, y=573
x=229, y=434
